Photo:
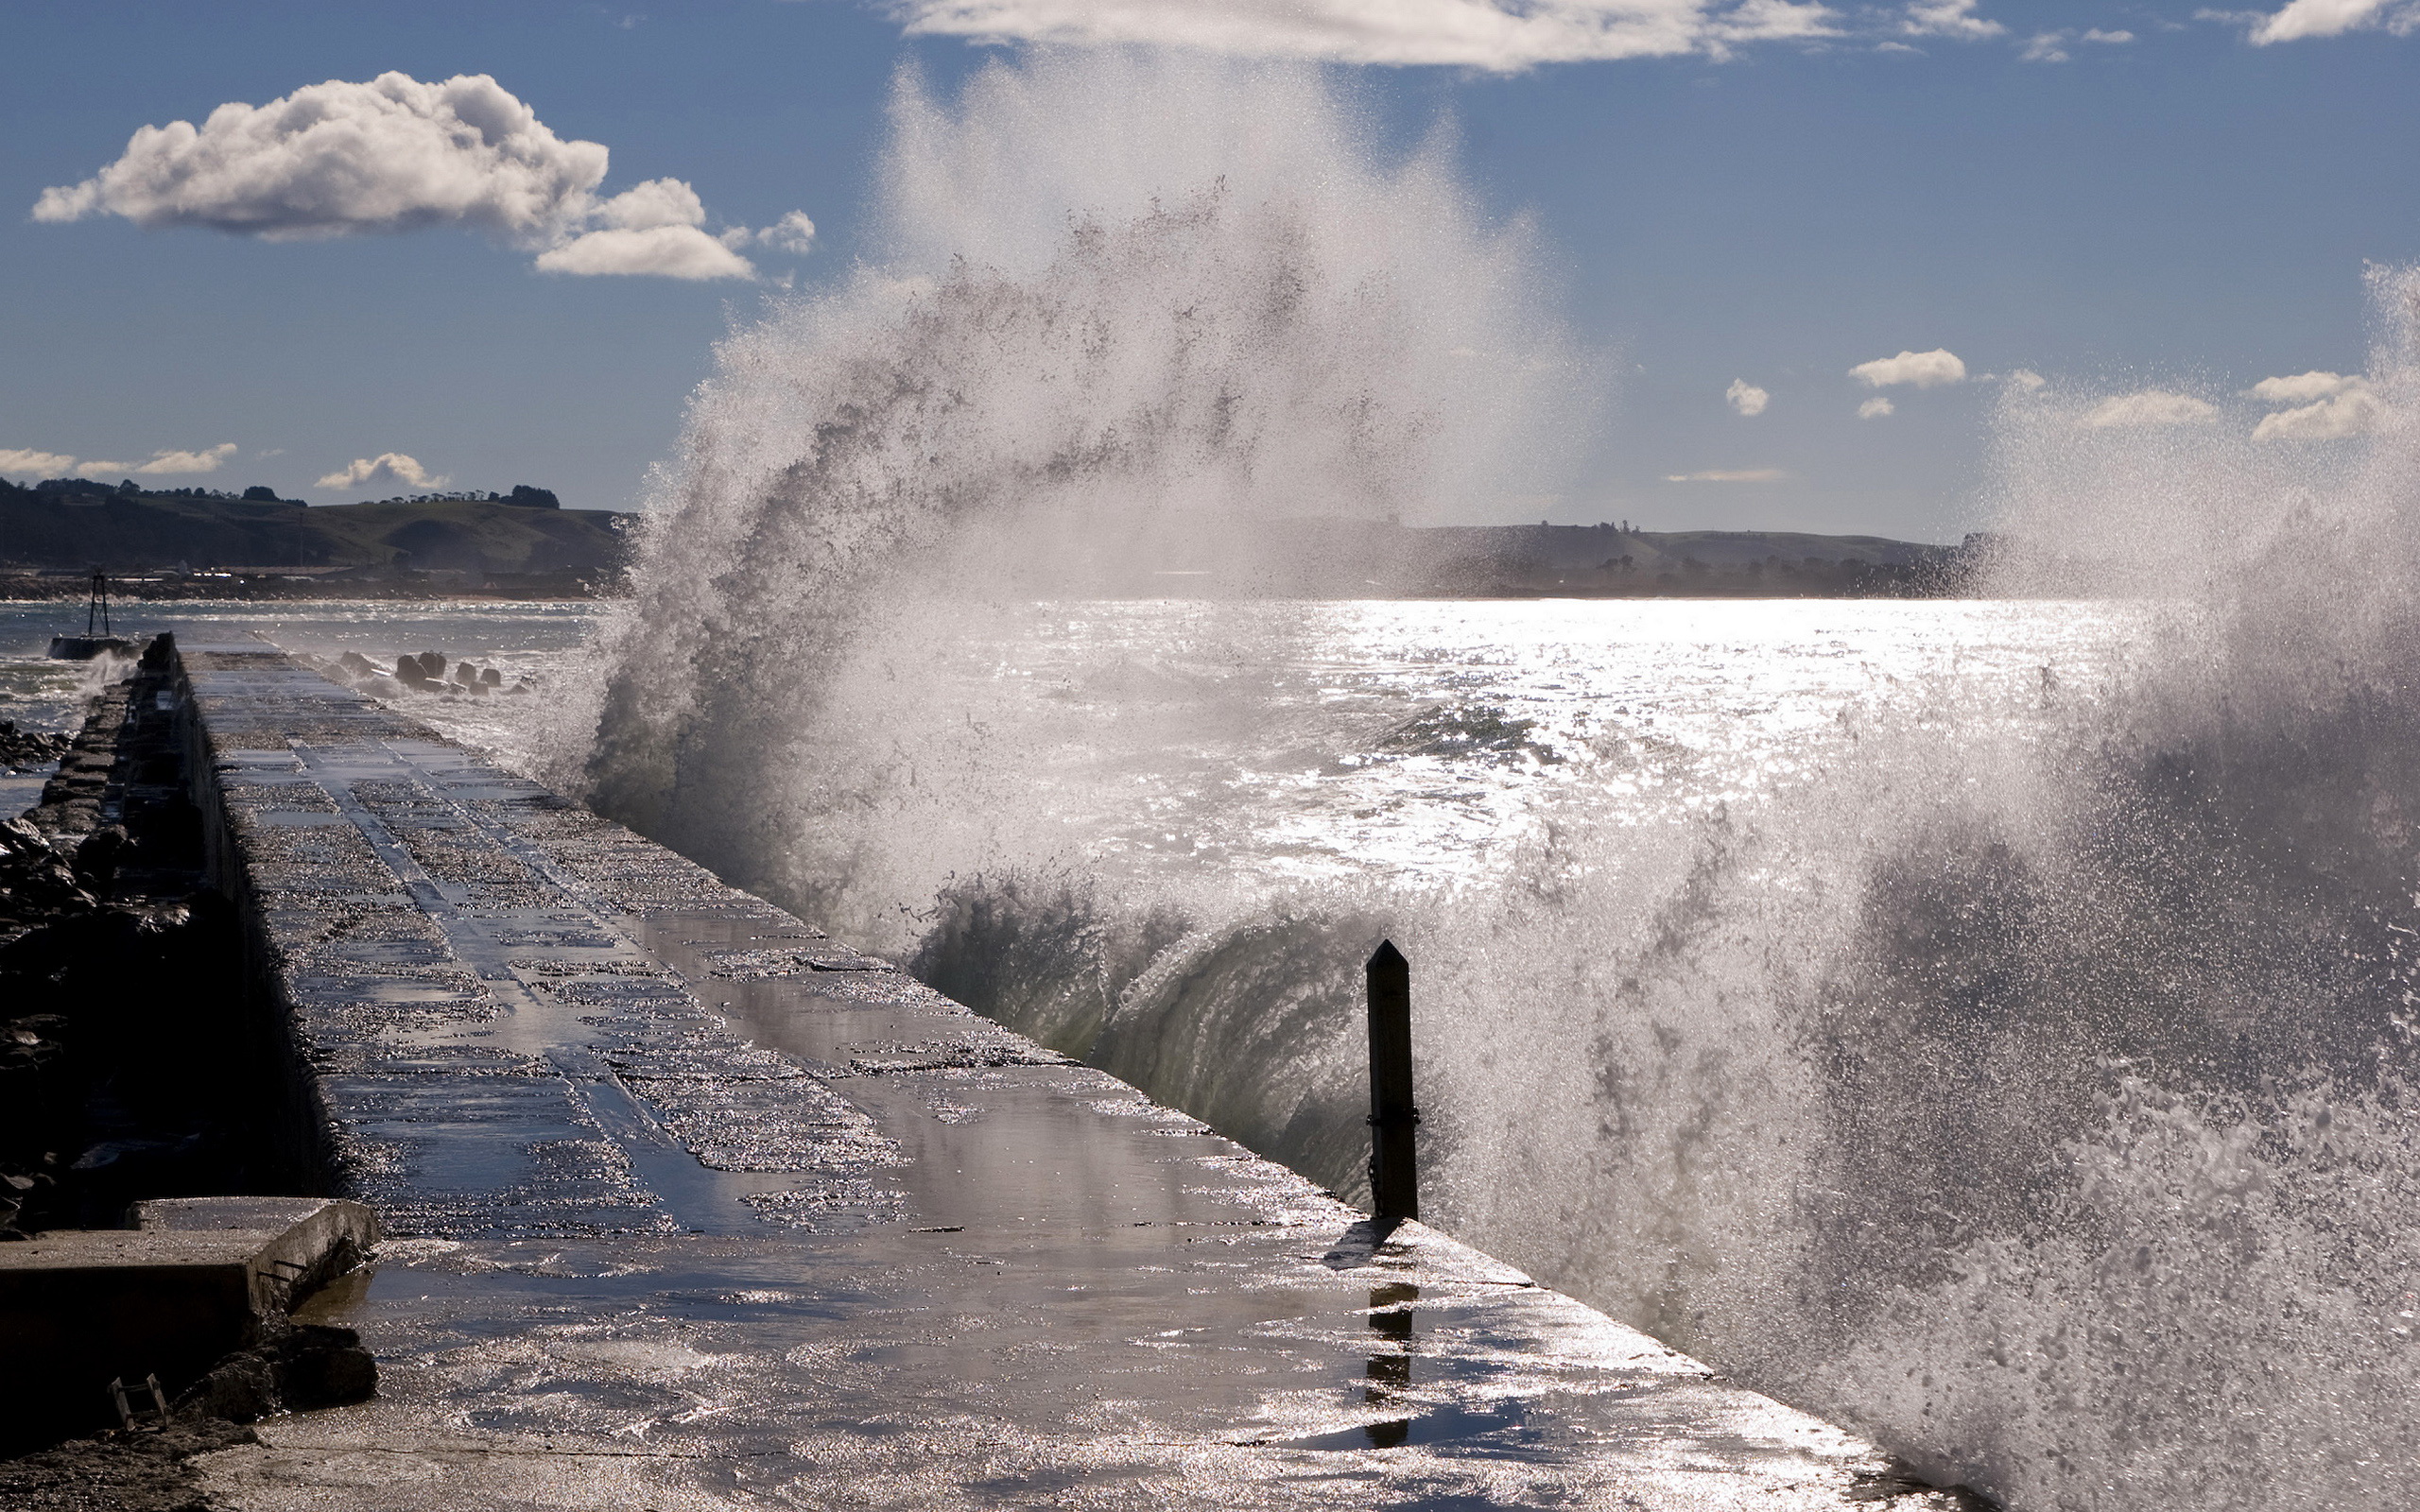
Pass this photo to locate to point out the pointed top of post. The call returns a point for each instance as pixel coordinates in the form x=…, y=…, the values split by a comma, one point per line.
x=1386, y=955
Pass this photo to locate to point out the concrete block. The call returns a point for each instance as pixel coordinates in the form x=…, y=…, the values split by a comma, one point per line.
x=197, y=1281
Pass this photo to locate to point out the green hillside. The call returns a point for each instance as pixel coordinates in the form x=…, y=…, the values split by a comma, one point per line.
x=71, y=524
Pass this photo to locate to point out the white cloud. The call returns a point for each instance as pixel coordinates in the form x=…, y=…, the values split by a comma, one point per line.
x=163, y=463
x=2324, y=406
x=2332, y=18
x=385, y=470
x=1925, y=370
x=1746, y=397
x=395, y=154
x=792, y=234
x=2150, y=406
x=26, y=460
x=2108, y=39
x=2330, y=420
x=1754, y=474
x=2027, y=379
x=2305, y=387
x=1948, y=18
x=1876, y=408
x=670, y=251
x=1500, y=36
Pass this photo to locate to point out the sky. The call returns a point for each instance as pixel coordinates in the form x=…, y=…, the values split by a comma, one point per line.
x=1810, y=246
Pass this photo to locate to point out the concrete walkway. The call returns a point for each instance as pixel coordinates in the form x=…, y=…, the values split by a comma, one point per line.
x=695, y=1207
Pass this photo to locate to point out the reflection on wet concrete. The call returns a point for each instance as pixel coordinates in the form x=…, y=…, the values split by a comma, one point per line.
x=1390, y=1369
x=695, y=1207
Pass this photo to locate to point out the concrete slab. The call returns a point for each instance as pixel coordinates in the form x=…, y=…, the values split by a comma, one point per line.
x=691, y=1207
x=79, y=1308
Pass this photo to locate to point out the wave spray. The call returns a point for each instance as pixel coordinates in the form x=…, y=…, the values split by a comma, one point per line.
x=2025, y=1076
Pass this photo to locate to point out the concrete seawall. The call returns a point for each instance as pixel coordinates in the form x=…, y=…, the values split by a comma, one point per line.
x=692, y=1207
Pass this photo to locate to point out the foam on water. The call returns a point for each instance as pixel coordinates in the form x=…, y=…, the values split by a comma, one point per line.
x=2012, y=1061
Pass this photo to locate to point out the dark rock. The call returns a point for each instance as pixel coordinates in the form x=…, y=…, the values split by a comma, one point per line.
x=97, y=858
x=299, y=1367
x=21, y=749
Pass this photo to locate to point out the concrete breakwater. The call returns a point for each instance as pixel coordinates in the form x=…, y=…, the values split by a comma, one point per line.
x=690, y=1206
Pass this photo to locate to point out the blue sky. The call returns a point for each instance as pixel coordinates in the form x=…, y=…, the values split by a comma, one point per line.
x=1761, y=195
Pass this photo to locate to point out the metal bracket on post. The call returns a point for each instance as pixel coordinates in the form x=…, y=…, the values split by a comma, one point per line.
x=1394, y=1170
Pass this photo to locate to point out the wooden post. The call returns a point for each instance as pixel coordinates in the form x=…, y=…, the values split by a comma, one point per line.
x=1395, y=1171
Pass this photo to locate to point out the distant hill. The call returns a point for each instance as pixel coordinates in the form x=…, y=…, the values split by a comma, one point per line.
x=70, y=523
x=1329, y=557
x=1613, y=560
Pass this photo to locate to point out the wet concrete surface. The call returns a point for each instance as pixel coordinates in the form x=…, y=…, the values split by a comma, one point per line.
x=691, y=1207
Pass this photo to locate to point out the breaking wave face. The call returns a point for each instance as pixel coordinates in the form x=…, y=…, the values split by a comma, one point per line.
x=2031, y=1086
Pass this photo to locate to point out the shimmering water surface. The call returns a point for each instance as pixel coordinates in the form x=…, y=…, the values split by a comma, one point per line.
x=1406, y=740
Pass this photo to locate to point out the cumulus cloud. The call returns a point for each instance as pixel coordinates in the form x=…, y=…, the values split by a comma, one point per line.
x=2150, y=406
x=1876, y=408
x=668, y=252
x=162, y=463
x=39, y=463
x=1754, y=474
x=1923, y=369
x=1948, y=18
x=1499, y=36
x=2329, y=419
x=385, y=470
x=2332, y=18
x=2027, y=379
x=1746, y=397
x=396, y=154
x=2322, y=406
x=2305, y=387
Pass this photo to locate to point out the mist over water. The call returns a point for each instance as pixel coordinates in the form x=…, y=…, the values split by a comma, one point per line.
x=1987, y=1024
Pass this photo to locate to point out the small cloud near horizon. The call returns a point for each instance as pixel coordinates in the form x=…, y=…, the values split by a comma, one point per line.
x=163, y=463
x=1918, y=370
x=1754, y=474
x=1876, y=408
x=30, y=461
x=1746, y=397
x=394, y=155
x=387, y=469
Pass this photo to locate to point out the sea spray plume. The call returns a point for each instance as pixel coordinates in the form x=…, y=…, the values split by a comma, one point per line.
x=1134, y=306
x=2031, y=1085
x=2028, y=1082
